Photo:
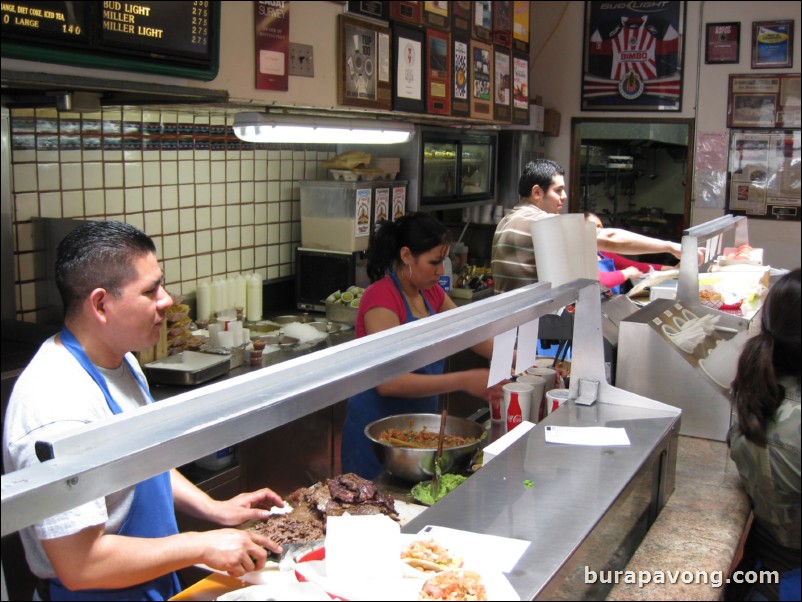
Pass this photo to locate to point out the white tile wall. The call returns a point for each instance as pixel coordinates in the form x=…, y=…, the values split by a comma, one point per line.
x=212, y=212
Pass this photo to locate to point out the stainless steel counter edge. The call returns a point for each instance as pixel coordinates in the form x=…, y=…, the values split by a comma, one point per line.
x=104, y=457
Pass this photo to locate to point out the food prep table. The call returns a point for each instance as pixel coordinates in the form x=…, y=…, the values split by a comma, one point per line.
x=588, y=505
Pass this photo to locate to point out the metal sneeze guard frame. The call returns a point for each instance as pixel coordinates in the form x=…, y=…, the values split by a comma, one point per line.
x=126, y=449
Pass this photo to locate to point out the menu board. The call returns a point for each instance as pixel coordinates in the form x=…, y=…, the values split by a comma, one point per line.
x=179, y=38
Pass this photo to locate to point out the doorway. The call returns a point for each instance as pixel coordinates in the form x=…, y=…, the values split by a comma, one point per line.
x=634, y=173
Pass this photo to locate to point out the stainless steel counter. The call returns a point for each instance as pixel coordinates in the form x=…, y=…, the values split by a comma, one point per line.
x=588, y=505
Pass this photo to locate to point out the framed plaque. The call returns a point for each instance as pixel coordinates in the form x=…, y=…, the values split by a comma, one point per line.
x=482, y=20
x=408, y=12
x=772, y=44
x=722, y=43
x=520, y=26
x=481, y=80
x=438, y=72
x=502, y=23
x=409, y=45
x=373, y=10
x=502, y=88
x=460, y=76
x=520, y=88
x=435, y=14
x=461, y=18
x=764, y=101
x=363, y=65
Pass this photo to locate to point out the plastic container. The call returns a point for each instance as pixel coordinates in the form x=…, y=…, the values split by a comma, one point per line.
x=447, y=278
x=336, y=216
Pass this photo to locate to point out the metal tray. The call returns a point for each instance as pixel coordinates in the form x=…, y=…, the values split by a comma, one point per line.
x=187, y=368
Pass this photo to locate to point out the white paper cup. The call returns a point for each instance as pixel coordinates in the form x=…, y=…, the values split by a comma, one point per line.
x=539, y=390
x=517, y=405
x=550, y=374
x=555, y=398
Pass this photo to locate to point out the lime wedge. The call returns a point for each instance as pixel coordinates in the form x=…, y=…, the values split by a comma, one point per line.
x=347, y=297
x=355, y=303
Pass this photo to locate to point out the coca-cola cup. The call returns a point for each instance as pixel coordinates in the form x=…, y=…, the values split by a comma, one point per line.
x=539, y=390
x=517, y=404
x=553, y=381
x=495, y=408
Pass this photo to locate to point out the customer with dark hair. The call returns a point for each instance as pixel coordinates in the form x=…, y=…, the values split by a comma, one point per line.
x=765, y=442
x=126, y=545
x=543, y=194
x=405, y=262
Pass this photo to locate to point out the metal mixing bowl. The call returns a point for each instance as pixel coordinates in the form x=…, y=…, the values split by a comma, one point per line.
x=417, y=464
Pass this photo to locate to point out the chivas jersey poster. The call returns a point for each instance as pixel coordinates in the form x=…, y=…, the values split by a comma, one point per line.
x=633, y=55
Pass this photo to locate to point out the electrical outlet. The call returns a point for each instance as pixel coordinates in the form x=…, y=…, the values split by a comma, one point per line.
x=301, y=60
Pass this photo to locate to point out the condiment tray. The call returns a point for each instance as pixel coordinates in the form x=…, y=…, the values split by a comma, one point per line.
x=187, y=368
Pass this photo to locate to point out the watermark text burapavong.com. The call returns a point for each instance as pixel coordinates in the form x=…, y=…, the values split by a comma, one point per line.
x=713, y=578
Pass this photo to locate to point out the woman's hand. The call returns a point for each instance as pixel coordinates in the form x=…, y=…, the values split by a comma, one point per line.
x=631, y=272
x=474, y=382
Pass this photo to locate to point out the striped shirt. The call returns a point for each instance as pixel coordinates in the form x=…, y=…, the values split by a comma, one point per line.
x=513, y=254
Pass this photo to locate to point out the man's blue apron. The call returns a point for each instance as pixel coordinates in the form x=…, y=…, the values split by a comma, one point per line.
x=152, y=513
x=369, y=406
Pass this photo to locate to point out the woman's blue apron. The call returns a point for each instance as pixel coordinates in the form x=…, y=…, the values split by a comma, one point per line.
x=152, y=513
x=356, y=451
x=606, y=265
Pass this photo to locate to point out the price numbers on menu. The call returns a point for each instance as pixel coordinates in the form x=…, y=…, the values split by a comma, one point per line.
x=183, y=34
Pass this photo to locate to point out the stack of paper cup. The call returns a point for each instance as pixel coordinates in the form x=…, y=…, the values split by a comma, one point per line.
x=555, y=398
x=517, y=404
x=538, y=391
x=551, y=378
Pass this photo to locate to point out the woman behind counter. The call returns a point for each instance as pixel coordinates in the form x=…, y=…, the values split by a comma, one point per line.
x=765, y=443
x=405, y=262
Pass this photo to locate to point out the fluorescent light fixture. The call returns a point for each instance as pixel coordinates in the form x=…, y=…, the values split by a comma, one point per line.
x=307, y=129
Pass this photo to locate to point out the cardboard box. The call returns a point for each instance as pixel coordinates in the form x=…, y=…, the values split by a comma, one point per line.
x=551, y=122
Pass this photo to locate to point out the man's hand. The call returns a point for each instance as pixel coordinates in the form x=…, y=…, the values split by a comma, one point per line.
x=254, y=505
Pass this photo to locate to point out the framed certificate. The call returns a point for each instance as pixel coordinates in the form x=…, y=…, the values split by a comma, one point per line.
x=772, y=44
x=482, y=20
x=364, y=64
x=460, y=76
x=520, y=88
x=481, y=80
x=435, y=14
x=373, y=10
x=438, y=72
x=461, y=18
x=502, y=23
x=408, y=12
x=409, y=45
x=722, y=43
x=502, y=88
x=520, y=26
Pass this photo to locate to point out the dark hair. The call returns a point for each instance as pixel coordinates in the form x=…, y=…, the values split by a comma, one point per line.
x=772, y=353
x=540, y=172
x=420, y=232
x=98, y=255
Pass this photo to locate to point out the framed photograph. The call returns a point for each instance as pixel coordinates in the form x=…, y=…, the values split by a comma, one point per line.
x=772, y=44
x=409, y=46
x=435, y=14
x=373, y=10
x=409, y=12
x=438, y=72
x=633, y=61
x=764, y=101
x=502, y=88
x=364, y=64
x=460, y=75
x=722, y=43
x=481, y=90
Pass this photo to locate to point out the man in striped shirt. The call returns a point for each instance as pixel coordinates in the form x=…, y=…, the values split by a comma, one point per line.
x=542, y=191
